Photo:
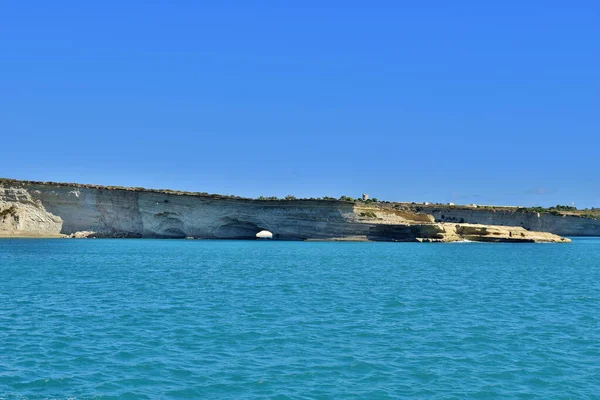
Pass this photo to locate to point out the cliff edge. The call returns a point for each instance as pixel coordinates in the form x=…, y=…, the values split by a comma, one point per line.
x=38, y=209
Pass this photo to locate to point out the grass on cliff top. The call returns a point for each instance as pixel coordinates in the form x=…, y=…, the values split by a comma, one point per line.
x=131, y=189
x=168, y=191
x=593, y=213
x=346, y=199
x=558, y=210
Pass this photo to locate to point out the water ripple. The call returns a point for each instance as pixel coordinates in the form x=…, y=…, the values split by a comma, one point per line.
x=147, y=319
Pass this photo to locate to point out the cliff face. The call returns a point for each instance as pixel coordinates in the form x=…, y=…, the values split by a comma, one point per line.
x=564, y=225
x=42, y=209
x=37, y=209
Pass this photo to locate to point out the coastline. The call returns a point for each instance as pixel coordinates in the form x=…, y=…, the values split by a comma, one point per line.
x=54, y=210
x=29, y=235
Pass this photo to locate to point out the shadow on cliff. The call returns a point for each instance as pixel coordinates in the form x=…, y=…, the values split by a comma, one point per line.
x=169, y=225
x=403, y=233
x=233, y=228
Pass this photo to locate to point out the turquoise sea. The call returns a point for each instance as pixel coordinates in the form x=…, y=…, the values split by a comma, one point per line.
x=192, y=319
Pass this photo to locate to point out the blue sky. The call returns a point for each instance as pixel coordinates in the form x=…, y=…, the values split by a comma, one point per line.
x=464, y=101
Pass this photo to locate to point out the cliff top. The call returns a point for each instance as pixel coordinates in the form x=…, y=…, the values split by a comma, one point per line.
x=10, y=181
x=133, y=189
x=594, y=213
x=558, y=210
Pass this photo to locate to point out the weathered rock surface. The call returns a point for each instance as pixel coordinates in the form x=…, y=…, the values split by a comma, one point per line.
x=564, y=225
x=491, y=233
x=38, y=209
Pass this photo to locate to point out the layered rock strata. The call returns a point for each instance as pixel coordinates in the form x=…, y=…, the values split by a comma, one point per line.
x=564, y=225
x=49, y=209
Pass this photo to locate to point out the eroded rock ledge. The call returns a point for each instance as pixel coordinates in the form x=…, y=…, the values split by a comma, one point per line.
x=69, y=210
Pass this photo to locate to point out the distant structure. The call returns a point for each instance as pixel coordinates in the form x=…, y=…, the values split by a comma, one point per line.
x=473, y=205
x=450, y=204
x=427, y=203
x=365, y=197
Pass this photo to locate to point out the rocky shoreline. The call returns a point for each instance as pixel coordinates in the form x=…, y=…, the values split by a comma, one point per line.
x=37, y=209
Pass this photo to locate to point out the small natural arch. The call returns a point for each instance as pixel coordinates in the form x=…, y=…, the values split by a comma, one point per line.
x=264, y=234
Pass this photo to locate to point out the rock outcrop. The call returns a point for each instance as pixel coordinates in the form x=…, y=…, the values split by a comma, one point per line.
x=72, y=210
x=564, y=225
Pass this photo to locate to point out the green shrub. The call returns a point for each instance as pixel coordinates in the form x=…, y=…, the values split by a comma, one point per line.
x=532, y=209
x=537, y=209
x=563, y=208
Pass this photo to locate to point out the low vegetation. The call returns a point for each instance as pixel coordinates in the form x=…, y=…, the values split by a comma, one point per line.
x=17, y=182
x=368, y=214
x=561, y=210
x=556, y=209
x=593, y=213
x=373, y=200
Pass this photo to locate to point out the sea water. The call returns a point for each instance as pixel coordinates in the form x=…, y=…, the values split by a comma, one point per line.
x=192, y=319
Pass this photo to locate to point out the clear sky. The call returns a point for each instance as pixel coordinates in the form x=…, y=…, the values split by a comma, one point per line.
x=463, y=101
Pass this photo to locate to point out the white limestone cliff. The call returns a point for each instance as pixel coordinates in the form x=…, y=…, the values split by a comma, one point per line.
x=50, y=209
